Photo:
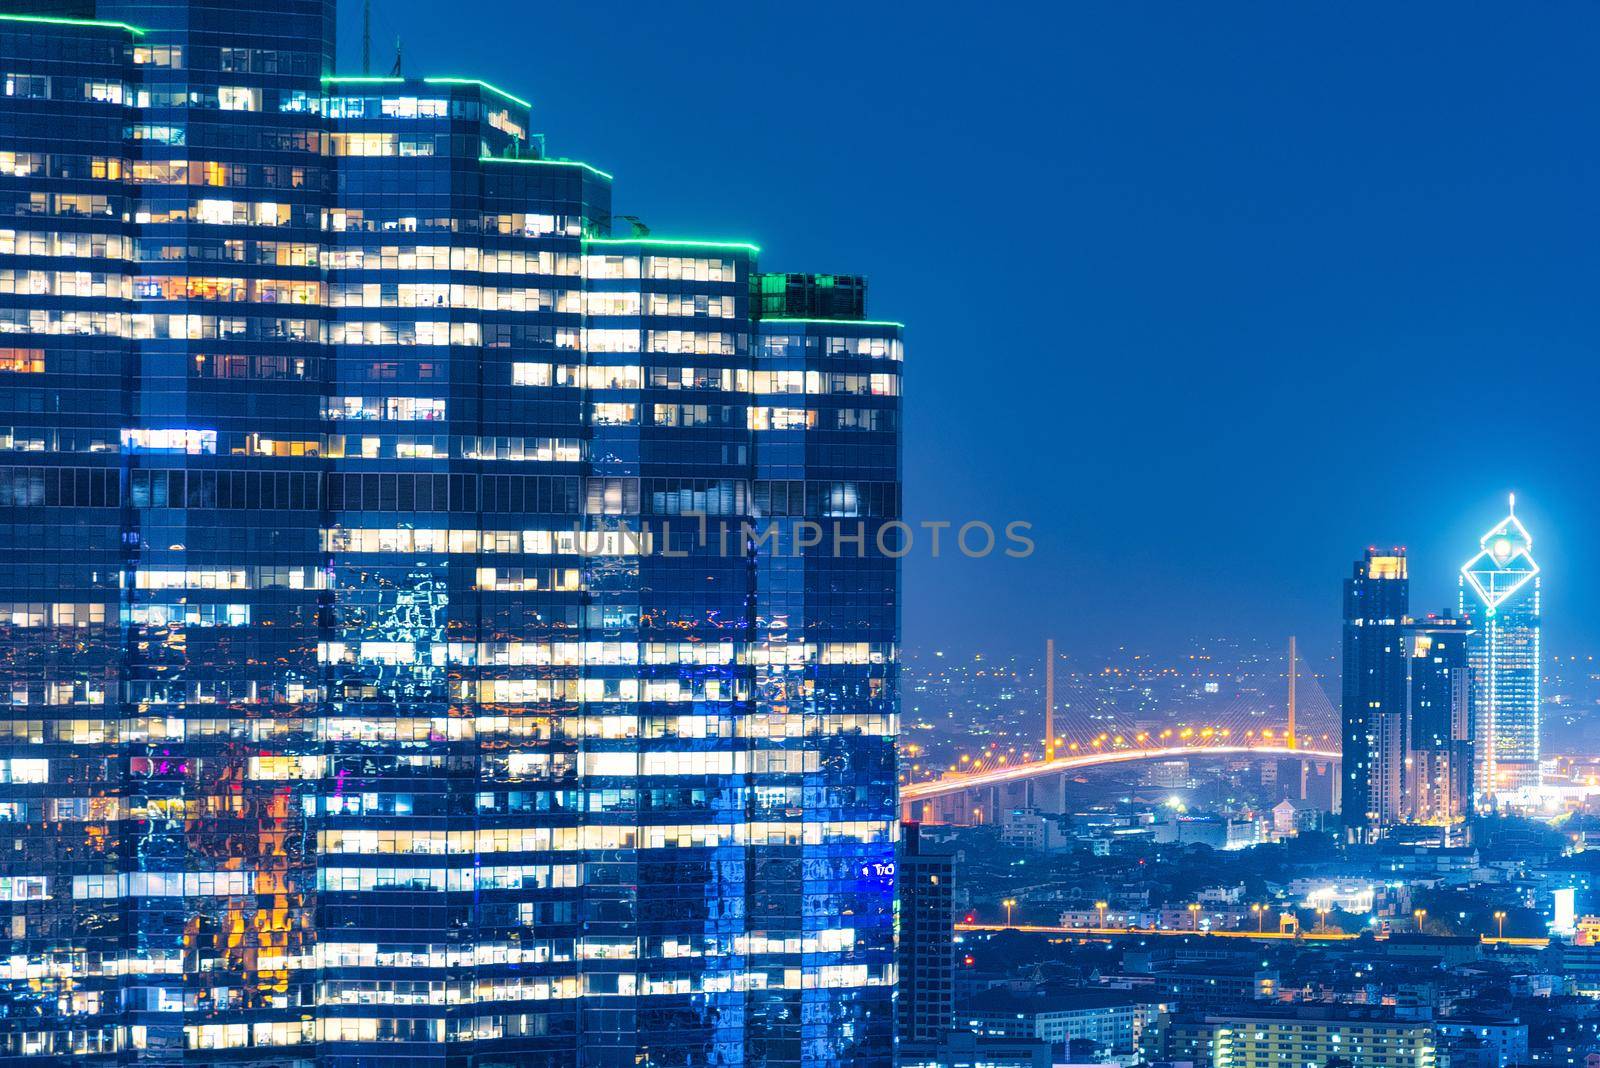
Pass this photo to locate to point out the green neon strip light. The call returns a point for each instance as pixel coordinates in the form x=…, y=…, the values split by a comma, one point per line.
x=672, y=243
x=546, y=163
x=328, y=79
x=481, y=85
x=136, y=31
x=841, y=322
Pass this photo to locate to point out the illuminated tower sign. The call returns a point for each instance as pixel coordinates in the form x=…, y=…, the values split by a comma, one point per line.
x=1500, y=592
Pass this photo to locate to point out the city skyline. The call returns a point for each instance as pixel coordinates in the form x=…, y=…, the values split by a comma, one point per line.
x=547, y=536
x=1444, y=586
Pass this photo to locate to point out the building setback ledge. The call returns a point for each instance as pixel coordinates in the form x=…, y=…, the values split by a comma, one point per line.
x=87, y=23
x=671, y=242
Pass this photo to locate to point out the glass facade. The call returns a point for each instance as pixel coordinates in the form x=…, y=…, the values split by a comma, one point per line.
x=1439, y=699
x=926, y=1008
x=1407, y=713
x=1373, y=709
x=1500, y=594
x=433, y=631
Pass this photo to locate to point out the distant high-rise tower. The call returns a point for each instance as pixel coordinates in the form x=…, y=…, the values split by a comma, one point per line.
x=1500, y=594
x=927, y=939
x=1439, y=700
x=1373, y=715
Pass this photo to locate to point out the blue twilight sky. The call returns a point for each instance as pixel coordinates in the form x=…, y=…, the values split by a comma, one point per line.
x=1213, y=294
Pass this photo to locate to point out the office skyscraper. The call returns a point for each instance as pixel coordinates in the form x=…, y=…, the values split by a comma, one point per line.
x=927, y=938
x=347, y=717
x=1439, y=699
x=1500, y=594
x=1376, y=597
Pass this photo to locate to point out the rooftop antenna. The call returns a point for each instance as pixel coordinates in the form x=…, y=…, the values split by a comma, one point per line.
x=395, y=73
x=366, y=38
x=1511, y=503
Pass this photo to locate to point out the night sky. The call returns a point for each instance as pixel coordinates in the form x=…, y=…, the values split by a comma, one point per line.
x=1215, y=295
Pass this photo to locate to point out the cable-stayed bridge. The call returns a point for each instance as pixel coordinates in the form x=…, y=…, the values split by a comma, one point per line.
x=1084, y=729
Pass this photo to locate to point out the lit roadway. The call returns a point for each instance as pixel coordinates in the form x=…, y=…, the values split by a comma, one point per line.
x=954, y=784
x=1133, y=932
x=1263, y=936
